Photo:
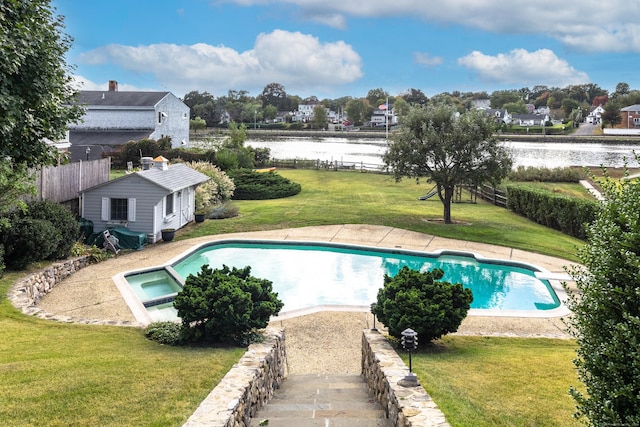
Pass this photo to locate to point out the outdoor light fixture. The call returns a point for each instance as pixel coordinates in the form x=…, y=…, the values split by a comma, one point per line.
x=87, y=151
x=409, y=342
x=373, y=307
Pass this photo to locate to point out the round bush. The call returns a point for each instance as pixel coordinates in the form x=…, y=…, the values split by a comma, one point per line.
x=420, y=301
x=29, y=240
x=251, y=185
x=63, y=220
x=164, y=332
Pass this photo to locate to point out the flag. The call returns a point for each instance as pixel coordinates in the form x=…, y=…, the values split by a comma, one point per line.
x=383, y=106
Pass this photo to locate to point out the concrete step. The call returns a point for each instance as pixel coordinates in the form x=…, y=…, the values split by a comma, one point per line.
x=322, y=400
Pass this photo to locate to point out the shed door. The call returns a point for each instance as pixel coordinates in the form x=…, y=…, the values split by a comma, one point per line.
x=183, y=202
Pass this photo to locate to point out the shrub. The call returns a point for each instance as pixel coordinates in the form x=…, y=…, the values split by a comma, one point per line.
x=606, y=310
x=164, y=332
x=422, y=302
x=252, y=185
x=566, y=214
x=2, y=265
x=225, y=305
x=62, y=219
x=547, y=175
x=29, y=240
x=215, y=191
x=226, y=210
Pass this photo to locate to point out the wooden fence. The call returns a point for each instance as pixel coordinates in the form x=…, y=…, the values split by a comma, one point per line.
x=62, y=183
x=493, y=195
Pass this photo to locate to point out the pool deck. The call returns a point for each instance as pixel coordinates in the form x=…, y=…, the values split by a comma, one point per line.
x=92, y=292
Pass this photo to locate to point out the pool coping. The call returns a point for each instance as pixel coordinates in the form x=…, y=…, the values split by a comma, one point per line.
x=555, y=280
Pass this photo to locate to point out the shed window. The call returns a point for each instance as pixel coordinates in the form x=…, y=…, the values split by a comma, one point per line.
x=168, y=205
x=119, y=209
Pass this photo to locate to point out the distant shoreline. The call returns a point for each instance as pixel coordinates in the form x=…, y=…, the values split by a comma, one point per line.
x=381, y=134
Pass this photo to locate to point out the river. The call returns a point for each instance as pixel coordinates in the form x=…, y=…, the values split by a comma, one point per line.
x=369, y=151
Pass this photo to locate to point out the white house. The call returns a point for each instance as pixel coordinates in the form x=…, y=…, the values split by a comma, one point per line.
x=114, y=118
x=500, y=115
x=595, y=115
x=160, y=196
x=530, y=119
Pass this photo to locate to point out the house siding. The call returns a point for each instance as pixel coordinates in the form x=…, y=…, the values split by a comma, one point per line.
x=148, y=196
x=117, y=118
x=176, y=122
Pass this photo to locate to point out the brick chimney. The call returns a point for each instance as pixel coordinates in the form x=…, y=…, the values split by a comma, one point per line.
x=113, y=86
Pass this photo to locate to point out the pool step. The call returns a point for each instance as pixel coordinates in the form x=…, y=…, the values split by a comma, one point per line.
x=322, y=400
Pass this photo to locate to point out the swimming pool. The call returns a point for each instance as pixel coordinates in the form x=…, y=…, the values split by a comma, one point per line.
x=307, y=274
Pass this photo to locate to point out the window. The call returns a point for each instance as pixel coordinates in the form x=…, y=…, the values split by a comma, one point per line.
x=168, y=205
x=119, y=209
x=161, y=116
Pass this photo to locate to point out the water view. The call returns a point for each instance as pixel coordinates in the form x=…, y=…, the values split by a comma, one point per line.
x=370, y=150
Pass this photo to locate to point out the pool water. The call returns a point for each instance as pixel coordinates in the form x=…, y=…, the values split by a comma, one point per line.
x=306, y=275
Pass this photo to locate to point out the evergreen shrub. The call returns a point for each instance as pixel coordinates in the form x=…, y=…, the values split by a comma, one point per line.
x=566, y=214
x=225, y=305
x=422, y=302
x=251, y=185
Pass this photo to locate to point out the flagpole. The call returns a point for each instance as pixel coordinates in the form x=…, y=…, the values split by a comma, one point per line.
x=386, y=119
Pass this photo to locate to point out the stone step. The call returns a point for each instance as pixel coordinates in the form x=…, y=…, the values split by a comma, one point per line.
x=322, y=400
x=326, y=422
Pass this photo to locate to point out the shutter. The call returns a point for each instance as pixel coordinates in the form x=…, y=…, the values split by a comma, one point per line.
x=105, y=209
x=131, y=206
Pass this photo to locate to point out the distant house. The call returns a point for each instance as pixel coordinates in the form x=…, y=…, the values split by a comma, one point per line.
x=595, y=115
x=383, y=116
x=160, y=196
x=500, y=115
x=630, y=116
x=114, y=118
x=530, y=119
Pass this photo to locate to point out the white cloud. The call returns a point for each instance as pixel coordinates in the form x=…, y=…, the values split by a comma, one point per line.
x=298, y=61
x=587, y=25
x=423, y=58
x=522, y=67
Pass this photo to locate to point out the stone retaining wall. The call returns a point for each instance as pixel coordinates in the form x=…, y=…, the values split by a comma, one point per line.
x=383, y=369
x=246, y=387
x=26, y=292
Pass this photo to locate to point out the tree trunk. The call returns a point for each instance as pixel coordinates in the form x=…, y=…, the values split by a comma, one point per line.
x=446, y=201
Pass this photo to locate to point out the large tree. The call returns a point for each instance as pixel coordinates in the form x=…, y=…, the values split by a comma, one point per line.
x=606, y=309
x=36, y=97
x=448, y=149
x=275, y=94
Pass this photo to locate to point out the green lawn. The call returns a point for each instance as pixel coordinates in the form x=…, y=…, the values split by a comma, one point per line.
x=493, y=382
x=59, y=374
x=330, y=197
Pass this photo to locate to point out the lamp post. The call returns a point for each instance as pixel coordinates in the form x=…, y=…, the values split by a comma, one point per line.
x=87, y=152
x=409, y=342
x=373, y=307
x=255, y=119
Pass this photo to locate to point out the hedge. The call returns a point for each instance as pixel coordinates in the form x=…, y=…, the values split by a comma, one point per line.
x=566, y=214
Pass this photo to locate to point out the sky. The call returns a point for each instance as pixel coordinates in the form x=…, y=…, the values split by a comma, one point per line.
x=335, y=48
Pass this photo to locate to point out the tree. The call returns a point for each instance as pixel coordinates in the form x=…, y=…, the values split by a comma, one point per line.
x=606, y=309
x=415, y=97
x=420, y=301
x=225, y=305
x=622, y=88
x=518, y=107
x=377, y=96
x=36, y=98
x=448, y=149
x=355, y=109
x=611, y=113
x=275, y=94
x=501, y=97
x=320, y=117
x=197, y=124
